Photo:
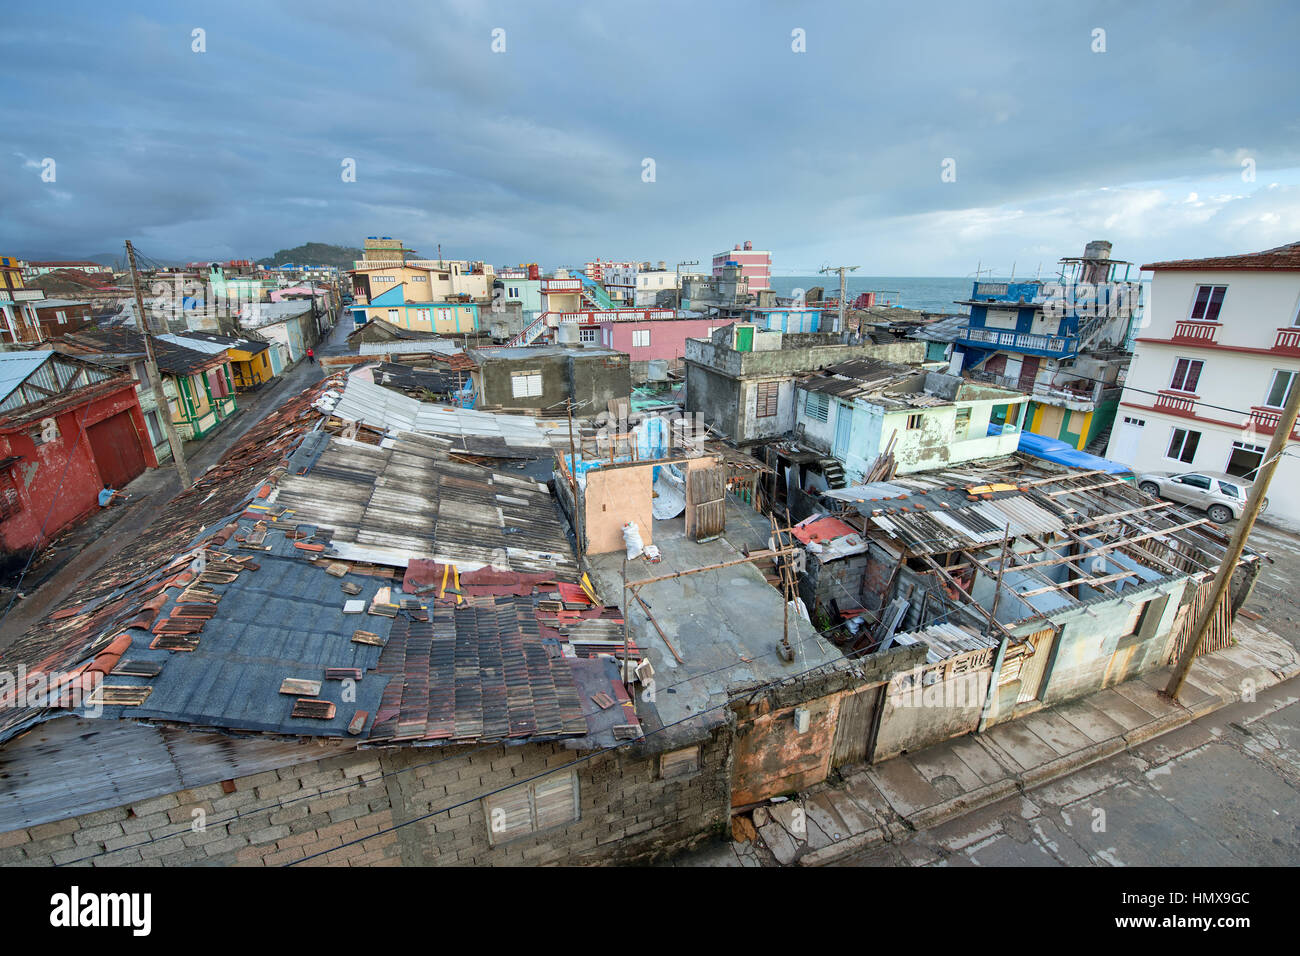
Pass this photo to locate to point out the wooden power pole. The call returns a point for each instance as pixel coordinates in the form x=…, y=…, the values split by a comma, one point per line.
x=155, y=378
x=1237, y=544
x=841, y=270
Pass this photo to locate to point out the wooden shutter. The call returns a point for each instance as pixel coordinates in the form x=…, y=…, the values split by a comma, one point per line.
x=679, y=763
x=509, y=814
x=555, y=800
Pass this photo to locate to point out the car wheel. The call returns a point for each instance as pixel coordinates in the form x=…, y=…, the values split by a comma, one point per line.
x=1219, y=514
x=1150, y=487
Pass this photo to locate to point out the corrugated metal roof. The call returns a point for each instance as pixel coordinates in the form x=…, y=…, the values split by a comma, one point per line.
x=439, y=346
x=945, y=640
x=931, y=530
x=380, y=407
x=16, y=366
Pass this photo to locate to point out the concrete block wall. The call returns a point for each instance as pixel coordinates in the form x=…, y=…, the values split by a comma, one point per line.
x=628, y=813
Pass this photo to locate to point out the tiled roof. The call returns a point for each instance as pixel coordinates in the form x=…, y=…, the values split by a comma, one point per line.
x=259, y=637
x=479, y=671
x=117, y=340
x=1283, y=259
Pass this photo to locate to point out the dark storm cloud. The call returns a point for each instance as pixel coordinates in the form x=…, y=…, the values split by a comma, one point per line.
x=536, y=153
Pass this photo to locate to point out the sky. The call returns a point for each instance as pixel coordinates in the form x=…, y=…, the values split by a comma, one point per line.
x=906, y=139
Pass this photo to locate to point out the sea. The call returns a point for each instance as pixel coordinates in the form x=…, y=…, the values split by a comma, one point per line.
x=927, y=293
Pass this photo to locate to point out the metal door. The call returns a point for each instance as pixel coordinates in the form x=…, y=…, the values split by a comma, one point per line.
x=116, y=447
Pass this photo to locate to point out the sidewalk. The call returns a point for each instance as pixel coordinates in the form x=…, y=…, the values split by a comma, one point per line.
x=877, y=804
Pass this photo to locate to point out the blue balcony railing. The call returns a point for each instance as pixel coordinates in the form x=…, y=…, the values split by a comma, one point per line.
x=1018, y=341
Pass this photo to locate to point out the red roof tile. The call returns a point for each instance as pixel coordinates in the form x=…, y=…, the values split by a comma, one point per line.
x=1281, y=259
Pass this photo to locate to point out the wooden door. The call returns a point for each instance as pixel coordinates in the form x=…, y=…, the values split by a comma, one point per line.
x=706, y=502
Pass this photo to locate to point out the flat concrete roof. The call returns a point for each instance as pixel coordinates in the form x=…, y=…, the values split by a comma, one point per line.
x=715, y=619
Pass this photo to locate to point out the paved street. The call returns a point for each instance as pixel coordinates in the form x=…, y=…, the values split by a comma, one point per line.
x=1222, y=791
x=101, y=536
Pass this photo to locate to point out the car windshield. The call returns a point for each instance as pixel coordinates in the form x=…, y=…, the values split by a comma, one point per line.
x=1231, y=490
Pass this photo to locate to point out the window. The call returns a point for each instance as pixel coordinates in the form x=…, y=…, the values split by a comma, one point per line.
x=216, y=383
x=62, y=317
x=1208, y=302
x=1245, y=460
x=1182, y=445
x=528, y=808
x=679, y=763
x=155, y=430
x=1199, y=482
x=419, y=278
x=1231, y=490
x=1280, y=389
x=1187, y=373
x=914, y=422
x=383, y=278
x=526, y=384
x=817, y=406
x=640, y=338
x=393, y=315
x=766, y=403
x=586, y=335
x=963, y=421
x=1139, y=422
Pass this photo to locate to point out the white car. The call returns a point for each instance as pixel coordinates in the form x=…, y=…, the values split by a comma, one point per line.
x=1222, y=497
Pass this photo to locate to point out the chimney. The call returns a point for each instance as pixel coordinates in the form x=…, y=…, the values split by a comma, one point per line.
x=1098, y=269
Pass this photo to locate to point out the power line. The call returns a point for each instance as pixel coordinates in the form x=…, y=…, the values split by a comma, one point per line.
x=573, y=763
x=280, y=804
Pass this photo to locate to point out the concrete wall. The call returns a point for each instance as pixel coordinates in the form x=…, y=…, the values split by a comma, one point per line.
x=57, y=482
x=627, y=812
x=713, y=371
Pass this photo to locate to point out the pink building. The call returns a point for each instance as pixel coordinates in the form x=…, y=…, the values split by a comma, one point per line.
x=596, y=270
x=648, y=339
x=756, y=266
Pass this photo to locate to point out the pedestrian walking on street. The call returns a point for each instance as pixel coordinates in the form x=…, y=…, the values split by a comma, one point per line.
x=311, y=356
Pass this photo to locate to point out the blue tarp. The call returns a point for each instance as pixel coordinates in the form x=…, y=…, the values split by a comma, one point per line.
x=1053, y=449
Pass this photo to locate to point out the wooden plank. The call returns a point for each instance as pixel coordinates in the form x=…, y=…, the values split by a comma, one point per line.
x=300, y=687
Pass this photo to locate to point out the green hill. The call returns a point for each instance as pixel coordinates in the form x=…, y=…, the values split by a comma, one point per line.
x=315, y=254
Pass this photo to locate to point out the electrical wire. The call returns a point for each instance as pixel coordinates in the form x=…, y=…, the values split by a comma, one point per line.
x=280, y=804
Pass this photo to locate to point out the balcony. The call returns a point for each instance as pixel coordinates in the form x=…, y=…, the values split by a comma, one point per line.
x=21, y=295
x=553, y=286
x=1176, y=403
x=1019, y=341
x=1264, y=420
x=614, y=315
x=1287, y=342
x=1190, y=332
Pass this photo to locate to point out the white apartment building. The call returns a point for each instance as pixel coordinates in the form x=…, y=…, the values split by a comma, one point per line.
x=1213, y=367
x=638, y=287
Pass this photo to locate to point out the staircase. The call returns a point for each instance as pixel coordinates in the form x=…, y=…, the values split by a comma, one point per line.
x=834, y=473
x=530, y=332
x=593, y=295
x=1098, y=445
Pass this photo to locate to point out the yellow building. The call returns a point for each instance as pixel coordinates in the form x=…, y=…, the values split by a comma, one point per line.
x=250, y=359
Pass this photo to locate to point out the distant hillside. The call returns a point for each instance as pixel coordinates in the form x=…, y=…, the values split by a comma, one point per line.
x=315, y=254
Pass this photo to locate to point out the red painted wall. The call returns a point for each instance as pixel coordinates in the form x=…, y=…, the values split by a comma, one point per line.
x=60, y=479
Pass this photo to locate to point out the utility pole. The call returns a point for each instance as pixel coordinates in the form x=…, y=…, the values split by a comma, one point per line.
x=841, y=270
x=155, y=379
x=693, y=262
x=1238, y=542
